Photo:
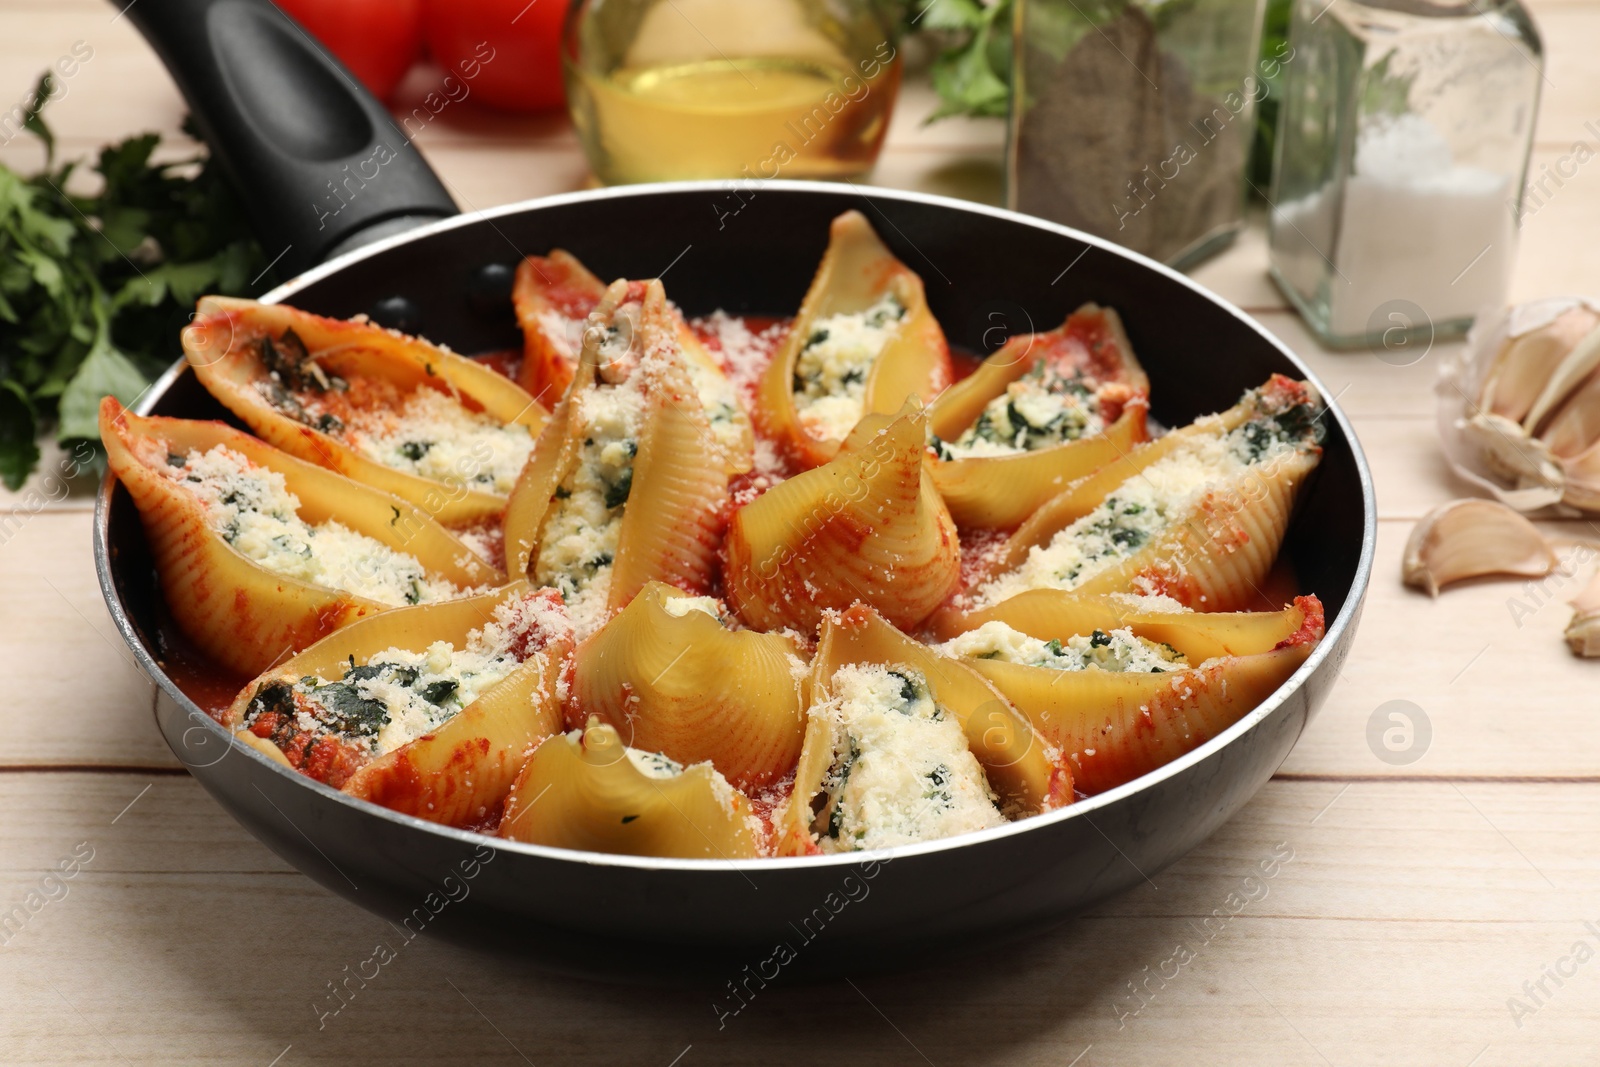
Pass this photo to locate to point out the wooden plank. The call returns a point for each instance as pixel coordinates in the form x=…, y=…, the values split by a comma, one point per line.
x=1414, y=908
x=1552, y=256
x=1485, y=663
x=77, y=696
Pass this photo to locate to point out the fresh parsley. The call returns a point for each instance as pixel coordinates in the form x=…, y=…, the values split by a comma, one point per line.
x=94, y=289
x=973, y=75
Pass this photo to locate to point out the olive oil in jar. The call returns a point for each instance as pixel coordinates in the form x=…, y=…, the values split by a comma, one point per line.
x=819, y=111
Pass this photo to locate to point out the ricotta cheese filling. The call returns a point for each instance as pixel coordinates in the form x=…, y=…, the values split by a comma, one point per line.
x=427, y=432
x=1041, y=409
x=679, y=606
x=1118, y=650
x=717, y=398
x=901, y=770
x=653, y=764
x=578, y=543
x=434, y=436
x=253, y=510
x=710, y=383
x=830, y=374
x=400, y=695
x=1150, y=503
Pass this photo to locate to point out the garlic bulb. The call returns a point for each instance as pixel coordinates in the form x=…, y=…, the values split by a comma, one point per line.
x=1519, y=408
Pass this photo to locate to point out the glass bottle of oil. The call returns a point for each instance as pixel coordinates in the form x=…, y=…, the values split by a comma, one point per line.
x=675, y=89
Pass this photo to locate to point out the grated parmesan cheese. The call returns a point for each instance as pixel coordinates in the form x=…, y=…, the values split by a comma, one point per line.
x=1120, y=650
x=434, y=436
x=253, y=510
x=832, y=369
x=1155, y=603
x=1148, y=504
x=901, y=769
x=399, y=695
x=1041, y=409
x=579, y=540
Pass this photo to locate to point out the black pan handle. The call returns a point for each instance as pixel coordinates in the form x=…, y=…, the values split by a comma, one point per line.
x=319, y=163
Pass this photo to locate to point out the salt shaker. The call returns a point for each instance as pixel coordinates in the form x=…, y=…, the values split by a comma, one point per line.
x=1403, y=141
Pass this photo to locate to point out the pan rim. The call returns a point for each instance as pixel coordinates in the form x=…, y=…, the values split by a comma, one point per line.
x=1344, y=620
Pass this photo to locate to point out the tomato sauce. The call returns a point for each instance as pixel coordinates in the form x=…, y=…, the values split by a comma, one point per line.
x=506, y=361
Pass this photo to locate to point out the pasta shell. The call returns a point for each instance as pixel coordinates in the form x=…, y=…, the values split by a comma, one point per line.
x=1026, y=774
x=857, y=273
x=236, y=611
x=1115, y=727
x=453, y=475
x=663, y=507
x=555, y=294
x=1085, y=494
x=1211, y=552
x=460, y=772
x=1200, y=636
x=868, y=526
x=673, y=679
x=588, y=791
x=999, y=491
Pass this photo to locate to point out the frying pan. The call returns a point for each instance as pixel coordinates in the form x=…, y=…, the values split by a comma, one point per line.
x=298, y=138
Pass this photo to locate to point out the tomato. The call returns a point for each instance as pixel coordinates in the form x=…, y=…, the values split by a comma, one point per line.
x=377, y=40
x=514, y=44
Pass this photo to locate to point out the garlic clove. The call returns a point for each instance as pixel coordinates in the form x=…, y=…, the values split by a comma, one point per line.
x=1526, y=363
x=1583, y=632
x=1470, y=539
x=1512, y=456
x=1582, y=479
x=1575, y=424
x=1568, y=375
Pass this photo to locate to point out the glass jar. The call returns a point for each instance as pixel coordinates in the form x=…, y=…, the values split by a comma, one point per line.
x=673, y=89
x=1403, y=142
x=1132, y=119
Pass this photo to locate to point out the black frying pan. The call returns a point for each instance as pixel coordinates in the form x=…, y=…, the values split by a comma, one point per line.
x=286, y=121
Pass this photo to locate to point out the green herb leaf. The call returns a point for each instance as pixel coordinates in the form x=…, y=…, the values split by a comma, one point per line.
x=973, y=77
x=968, y=85
x=31, y=120
x=951, y=15
x=104, y=372
x=93, y=289
x=19, y=447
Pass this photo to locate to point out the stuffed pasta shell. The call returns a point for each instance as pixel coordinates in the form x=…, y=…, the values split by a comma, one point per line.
x=673, y=677
x=1122, y=689
x=554, y=296
x=618, y=493
x=868, y=525
x=587, y=790
x=1199, y=518
x=430, y=711
x=444, y=432
x=905, y=745
x=1041, y=412
x=259, y=553
x=863, y=342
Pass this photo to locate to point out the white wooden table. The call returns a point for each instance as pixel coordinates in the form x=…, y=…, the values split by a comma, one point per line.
x=1420, y=898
